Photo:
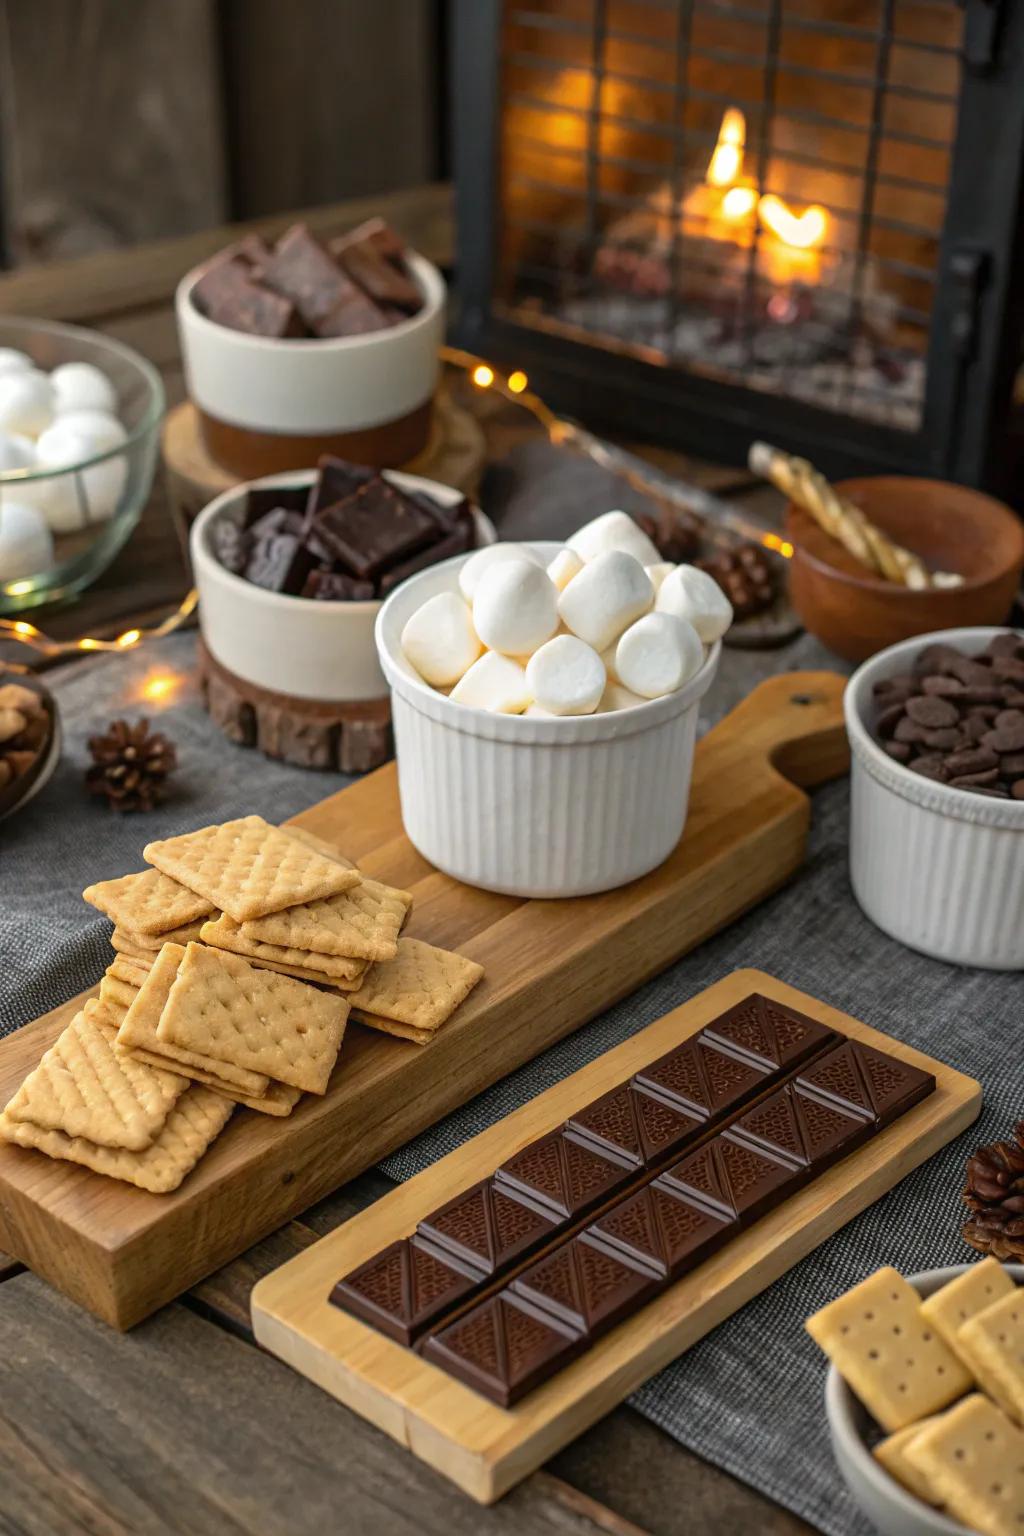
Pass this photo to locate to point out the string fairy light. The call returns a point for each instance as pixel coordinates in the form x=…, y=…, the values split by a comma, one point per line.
x=722, y=523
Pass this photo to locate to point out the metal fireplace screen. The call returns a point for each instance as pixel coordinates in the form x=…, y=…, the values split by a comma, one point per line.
x=752, y=195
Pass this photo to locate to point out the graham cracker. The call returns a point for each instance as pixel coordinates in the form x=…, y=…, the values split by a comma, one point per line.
x=147, y=902
x=992, y=1343
x=117, y=993
x=131, y=971
x=84, y=1087
x=143, y=946
x=222, y=1005
x=225, y=933
x=108, y=1014
x=139, y=1029
x=400, y=1031
x=891, y=1453
x=972, y=1460
x=248, y=868
x=363, y=923
x=196, y=1119
x=970, y=1293
x=279, y=1099
x=892, y=1358
x=318, y=845
x=421, y=987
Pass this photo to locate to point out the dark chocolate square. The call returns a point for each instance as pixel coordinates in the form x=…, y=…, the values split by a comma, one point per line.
x=588, y=1287
x=373, y=529
x=455, y=543
x=768, y=1032
x=488, y=1226
x=503, y=1347
x=227, y=294
x=328, y=300
x=335, y=480
x=701, y=1079
x=635, y=1124
x=404, y=1287
x=564, y=1173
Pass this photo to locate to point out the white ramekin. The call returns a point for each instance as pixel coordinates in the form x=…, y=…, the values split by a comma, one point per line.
x=531, y=806
x=293, y=645
x=939, y=869
x=304, y=387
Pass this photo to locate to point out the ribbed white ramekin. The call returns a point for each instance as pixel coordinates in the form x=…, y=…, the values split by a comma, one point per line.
x=938, y=868
x=535, y=806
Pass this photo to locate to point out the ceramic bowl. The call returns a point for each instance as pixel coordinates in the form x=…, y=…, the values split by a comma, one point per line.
x=100, y=499
x=938, y=868
x=293, y=645
x=892, y=1510
x=951, y=527
x=14, y=796
x=270, y=404
x=534, y=806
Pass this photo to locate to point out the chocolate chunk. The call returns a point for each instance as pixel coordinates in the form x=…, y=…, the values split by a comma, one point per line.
x=488, y=1226
x=277, y=520
x=730, y=1177
x=1007, y=718
x=864, y=1081
x=503, y=1347
x=376, y=233
x=909, y=730
x=931, y=711
x=227, y=295
x=564, y=1174
x=336, y=480
x=405, y=1287
x=454, y=543
x=946, y=740
x=800, y=1128
x=329, y=302
x=634, y=1125
x=644, y=1230
x=701, y=1079
x=279, y=563
x=586, y=1286
x=384, y=281
x=373, y=529
x=767, y=1032
x=928, y=767
x=230, y=545
x=1006, y=645
x=335, y=587
x=1012, y=765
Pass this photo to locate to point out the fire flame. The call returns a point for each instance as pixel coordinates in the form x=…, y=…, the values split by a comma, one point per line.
x=740, y=203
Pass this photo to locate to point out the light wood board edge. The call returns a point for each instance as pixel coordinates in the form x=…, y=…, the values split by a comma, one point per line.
x=486, y=1449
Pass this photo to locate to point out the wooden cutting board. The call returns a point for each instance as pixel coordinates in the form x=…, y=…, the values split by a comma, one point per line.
x=550, y=966
x=486, y=1449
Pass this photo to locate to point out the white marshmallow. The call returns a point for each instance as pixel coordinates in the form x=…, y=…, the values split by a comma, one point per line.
x=658, y=572
x=610, y=592
x=564, y=567
x=535, y=709
x=658, y=654
x=13, y=361
x=439, y=639
x=515, y=607
x=76, y=500
x=616, y=697
x=102, y=429
x=26, y=402
x=16, y=451
x=496, y=683
x=566, y=676
x=26, y=545
x=695, y=596
x=482, y=560
x=82, y=387
x=614, y=530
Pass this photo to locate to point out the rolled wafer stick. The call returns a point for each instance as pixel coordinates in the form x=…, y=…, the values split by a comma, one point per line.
x=843, y=520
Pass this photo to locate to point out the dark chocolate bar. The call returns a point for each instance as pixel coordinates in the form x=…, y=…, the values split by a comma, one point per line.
x=405, y=1285
x=504, y=1347
x=767, y=1032
x=488, y=1226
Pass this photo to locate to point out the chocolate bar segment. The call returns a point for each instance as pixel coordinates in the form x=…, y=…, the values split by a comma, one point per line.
x=702, y=1080
x=586, y=1286
x=404, y=1287
x=801, y=1128
x=564, y=1174
x=504, y=1347
x=488, y=1226
x=660, y=1230
x=372, y=529
x=864, y=1081
x=635, y=1124
x=768, y=1032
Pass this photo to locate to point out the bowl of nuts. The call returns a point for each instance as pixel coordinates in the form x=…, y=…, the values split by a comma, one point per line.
x=30, y=739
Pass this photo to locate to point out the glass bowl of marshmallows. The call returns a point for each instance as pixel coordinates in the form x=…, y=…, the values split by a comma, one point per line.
x=545, y=701
x=79, y=434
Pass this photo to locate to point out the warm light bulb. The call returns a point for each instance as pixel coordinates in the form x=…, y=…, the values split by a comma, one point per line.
x=781, y=546
x=483, y=377
x=159, y=687
x=517, y=381
x=20, y=627
x=129, y=637
x=88, y=645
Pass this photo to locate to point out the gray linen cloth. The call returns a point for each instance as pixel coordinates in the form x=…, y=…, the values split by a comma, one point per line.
x=749, y=1396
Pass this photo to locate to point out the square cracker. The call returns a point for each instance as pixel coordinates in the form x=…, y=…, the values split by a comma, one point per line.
x=972, y=1459
x=225, y=933
x=139, y=1029
x=143, y=946
x=117, y=993
x=279, y=1098
x=108, y=1014
x=318, y=845
x=147, y=902
x=363, y=923
x=129, y=970
x=223, y=1006
x=891, y=1453
x=892, y=1358
x=992, y=1343
x=951, y=1306
x=248, y=868
x=421, y=987
x=195, y=1120
x=84, y=1086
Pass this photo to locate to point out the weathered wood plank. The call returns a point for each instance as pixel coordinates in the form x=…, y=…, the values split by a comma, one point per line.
x=181, y=1427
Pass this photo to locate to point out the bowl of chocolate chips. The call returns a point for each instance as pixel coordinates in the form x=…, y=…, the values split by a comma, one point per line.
x=292, y=570
x=936, y=728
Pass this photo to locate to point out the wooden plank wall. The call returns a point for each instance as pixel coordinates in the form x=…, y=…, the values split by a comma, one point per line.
x=125, y=122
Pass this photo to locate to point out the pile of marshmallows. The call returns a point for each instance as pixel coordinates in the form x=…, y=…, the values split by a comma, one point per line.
x=51, y=421
x=605, y=626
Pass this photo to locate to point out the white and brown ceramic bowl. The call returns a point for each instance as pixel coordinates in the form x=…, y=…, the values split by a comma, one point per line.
x=298, y=646
x=269, y=404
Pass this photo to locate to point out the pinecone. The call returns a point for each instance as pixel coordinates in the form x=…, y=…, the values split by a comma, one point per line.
x=995, y=1195
x=745, y=577
x=130, y=765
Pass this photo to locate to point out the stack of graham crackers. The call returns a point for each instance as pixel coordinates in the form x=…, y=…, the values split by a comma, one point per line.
x=239, y=955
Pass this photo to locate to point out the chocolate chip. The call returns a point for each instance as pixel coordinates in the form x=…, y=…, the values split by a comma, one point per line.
x=909, y=730
x=889, y=719
x=1005, y=645
x=1008, y=669
x=929, y=767
x=972, y=673
x=986, y=694
x=931, y=711
x=945, y=687
x=975, y=727
x=1011, y=765
x=967, y=780
x=1008, y=717
x=946, y=739
x=937, y=658
x=972, y=760
x=900, y=750
x=1008, y=738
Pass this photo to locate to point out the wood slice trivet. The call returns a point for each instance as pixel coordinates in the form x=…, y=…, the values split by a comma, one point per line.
x=549, y=967
x=308, y=733
x=486, y=1449
x=455, y=455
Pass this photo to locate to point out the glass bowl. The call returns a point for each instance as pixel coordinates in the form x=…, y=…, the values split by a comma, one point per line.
x=92, y=503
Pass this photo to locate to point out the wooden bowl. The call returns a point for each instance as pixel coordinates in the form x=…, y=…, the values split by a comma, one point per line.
x=950, y=527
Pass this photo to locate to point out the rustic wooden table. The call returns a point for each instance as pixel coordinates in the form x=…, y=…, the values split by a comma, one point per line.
x=185, y=1425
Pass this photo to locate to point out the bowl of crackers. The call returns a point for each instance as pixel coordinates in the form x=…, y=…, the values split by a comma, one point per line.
x=925, y=1397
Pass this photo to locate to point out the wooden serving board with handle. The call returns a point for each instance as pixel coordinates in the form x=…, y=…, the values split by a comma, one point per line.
x=550, y=966
x=486, y=1449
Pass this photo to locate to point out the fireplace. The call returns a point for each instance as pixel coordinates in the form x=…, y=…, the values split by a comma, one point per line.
x=709, y=220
